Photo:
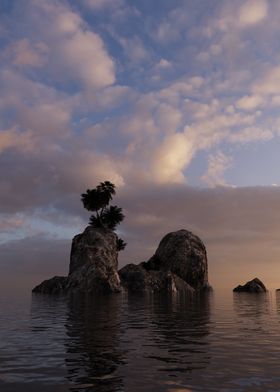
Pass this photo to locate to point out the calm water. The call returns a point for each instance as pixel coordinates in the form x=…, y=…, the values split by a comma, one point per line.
x=217, y=342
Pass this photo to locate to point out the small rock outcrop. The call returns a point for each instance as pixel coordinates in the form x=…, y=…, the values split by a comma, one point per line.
x=180, y=263
x=93, y=265
x=55, y=285
x=253, y=286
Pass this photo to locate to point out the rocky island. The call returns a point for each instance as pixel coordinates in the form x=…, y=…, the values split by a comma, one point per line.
x=179, y=263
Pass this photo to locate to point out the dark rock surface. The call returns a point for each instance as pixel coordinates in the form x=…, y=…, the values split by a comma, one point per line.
x=179, y=264
x=94, y=261
x=253, y=286
x=93, y=265
x=55, y=285
x=184, y=254
x=135, y=278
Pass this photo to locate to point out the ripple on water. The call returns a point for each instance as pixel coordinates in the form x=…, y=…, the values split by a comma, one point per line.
x=140, y=343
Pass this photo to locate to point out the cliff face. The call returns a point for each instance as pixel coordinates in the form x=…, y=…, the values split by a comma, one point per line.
x=179, y=264
x=93, y=265
x=94, y=246
x=181, y=256
x=94, y=261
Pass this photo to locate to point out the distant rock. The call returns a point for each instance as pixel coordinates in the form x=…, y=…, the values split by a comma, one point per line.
x=253, y=286
x=180, y=262
x=93, y=265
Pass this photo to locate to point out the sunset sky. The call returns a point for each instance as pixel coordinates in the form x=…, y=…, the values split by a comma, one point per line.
x=176, y=102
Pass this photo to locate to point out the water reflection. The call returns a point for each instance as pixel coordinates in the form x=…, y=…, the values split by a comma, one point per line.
x=93, y=352
x=251, y=305
x=47, y=312
x=140, y=343
x=181, y=325
x=252, y=310
x=43, y=357
x=168, y=335
x=277, y=295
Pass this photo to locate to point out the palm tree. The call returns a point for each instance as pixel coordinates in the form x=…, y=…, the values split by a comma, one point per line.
x=112, y=216
x=120, y=244
x=93, y=200
x=97, y=201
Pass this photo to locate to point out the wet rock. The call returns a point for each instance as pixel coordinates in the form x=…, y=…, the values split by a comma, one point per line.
x=55, y=285
x=253, y=286
x=135, y=278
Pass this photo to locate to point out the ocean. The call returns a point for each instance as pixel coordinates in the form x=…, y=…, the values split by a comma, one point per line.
x=219, y=341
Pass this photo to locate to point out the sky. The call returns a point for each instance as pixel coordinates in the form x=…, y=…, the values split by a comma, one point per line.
x=176, y=102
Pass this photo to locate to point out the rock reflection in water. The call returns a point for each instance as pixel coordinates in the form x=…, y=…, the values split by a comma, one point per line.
x=169, y=335
x=277, y=295
x=252, y=310
x=93, y=352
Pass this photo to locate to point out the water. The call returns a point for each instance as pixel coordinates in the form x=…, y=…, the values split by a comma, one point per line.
x=214, y=342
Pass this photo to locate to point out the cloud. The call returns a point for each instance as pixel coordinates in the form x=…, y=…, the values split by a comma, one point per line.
x=75, y=51
x=9, y=223
x=168, y=118
x=101, y=4
x=251, y=134
x=253, y=12
x=23, y=53
x=13, y=139
x=134, y=49
x=171, y=157
x=163, y=63
x=249, y=102
x=269, y=83
x=217, y=165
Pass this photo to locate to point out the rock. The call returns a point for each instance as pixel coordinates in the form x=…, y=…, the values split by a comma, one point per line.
x=93, y=264
x=253, y=286
x=179, y=264
x=135, y=278
x=94, y=246
x=184, y=254
x=55, y=285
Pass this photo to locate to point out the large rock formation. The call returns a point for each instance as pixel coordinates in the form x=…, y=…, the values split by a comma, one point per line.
x=180, y=262
x=94, y=261
x=93, y=265
x=253, y=286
